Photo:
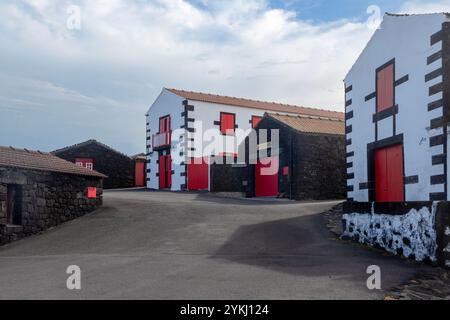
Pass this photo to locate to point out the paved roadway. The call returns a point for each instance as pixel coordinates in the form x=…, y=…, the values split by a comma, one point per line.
x=159, y=245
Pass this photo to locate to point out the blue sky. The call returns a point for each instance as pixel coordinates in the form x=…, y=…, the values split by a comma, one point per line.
x=62, y=86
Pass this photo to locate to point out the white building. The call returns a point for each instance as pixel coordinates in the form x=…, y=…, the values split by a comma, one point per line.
x=397, y=106
x=177, y=121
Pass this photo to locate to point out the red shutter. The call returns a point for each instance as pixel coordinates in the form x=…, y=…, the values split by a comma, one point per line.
x=227, y=123
x=389, y=181
x=255, y=121
x=385, y=88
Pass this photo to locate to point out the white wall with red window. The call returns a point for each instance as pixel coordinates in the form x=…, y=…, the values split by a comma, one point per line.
x=168, y=168
x=389, y=156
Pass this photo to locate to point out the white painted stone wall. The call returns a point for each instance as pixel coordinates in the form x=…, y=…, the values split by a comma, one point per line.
x=205, y=114
x=412, y=235
x=407, y=39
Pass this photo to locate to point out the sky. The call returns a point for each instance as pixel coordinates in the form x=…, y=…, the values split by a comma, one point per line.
x=73, y=70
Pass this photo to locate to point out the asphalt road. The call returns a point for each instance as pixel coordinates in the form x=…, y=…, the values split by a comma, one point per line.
x=158, y=245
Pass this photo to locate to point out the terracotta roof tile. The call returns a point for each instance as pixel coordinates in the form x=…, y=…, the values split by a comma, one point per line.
x=307, y=124
x=41, y=161
x=246, y=103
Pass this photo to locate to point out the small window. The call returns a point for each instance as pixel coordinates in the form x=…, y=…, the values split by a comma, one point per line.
x=255, y=121
x=385, y=88
x=80, y=164
x=227, y=123
x=90, y=166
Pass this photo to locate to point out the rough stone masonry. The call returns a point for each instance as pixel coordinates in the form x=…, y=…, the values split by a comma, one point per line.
x=46, y=199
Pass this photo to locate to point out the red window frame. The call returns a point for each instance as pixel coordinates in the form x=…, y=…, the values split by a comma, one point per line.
x=87, y=163
x=386, y=87
x=165, y=124
x=255, y=121
x=227, y=123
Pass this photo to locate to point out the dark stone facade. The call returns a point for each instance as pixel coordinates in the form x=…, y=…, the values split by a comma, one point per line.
x=46, y=199
x=227, y=176
x=316, y=164
x=118, y=167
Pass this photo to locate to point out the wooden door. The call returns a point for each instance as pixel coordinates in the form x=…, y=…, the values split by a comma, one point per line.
x=389, y=174
x=266, y=179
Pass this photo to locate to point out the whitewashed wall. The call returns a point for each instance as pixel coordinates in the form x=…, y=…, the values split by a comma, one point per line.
x=204, y=113
x=167, y=103
x=407, y=39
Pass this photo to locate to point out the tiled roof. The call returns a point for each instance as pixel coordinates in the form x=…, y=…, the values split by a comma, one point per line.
x=41, y=161
x=306, y=124
x=254, y=104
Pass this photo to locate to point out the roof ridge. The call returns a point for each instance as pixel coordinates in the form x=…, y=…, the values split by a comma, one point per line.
x=40, y=161
x=306, y=117
x=87, y=142
x=176, y=91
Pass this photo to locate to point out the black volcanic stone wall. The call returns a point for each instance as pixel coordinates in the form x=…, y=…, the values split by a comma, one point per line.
x=118, y=167
x=47, y=199
x=228, y=177
x=319, y=167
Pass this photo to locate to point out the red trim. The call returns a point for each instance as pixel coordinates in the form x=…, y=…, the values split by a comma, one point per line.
x=162, y=172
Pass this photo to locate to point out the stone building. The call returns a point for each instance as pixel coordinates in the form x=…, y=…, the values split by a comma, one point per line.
x=39, y=191
x=397, y=120
x=310, y=162
x=95, y=155
x=179, y=122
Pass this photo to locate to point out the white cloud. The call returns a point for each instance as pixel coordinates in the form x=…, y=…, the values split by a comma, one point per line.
x=426, y=6
x=127, y=50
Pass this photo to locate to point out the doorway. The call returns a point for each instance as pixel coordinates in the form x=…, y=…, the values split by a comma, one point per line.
x=14, y=205
x=389, y=173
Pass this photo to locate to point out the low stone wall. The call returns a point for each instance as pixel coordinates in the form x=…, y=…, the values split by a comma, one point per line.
x=414, y=231
x=47, y=199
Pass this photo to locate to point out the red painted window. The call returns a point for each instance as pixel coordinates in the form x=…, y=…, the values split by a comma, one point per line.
x=385, y=88
x=389, y=181
x=165, y=124
x=198, y=174
x=227, y=123
x=255, y=121
x=92, y=192
x=85, y=162
x=266, y=177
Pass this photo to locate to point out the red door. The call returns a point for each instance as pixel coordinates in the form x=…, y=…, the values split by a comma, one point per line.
x=139, y=174
x=198, y=175
x=165, y=172
x=162, y=172
x=389, y=181
x=266, y=177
